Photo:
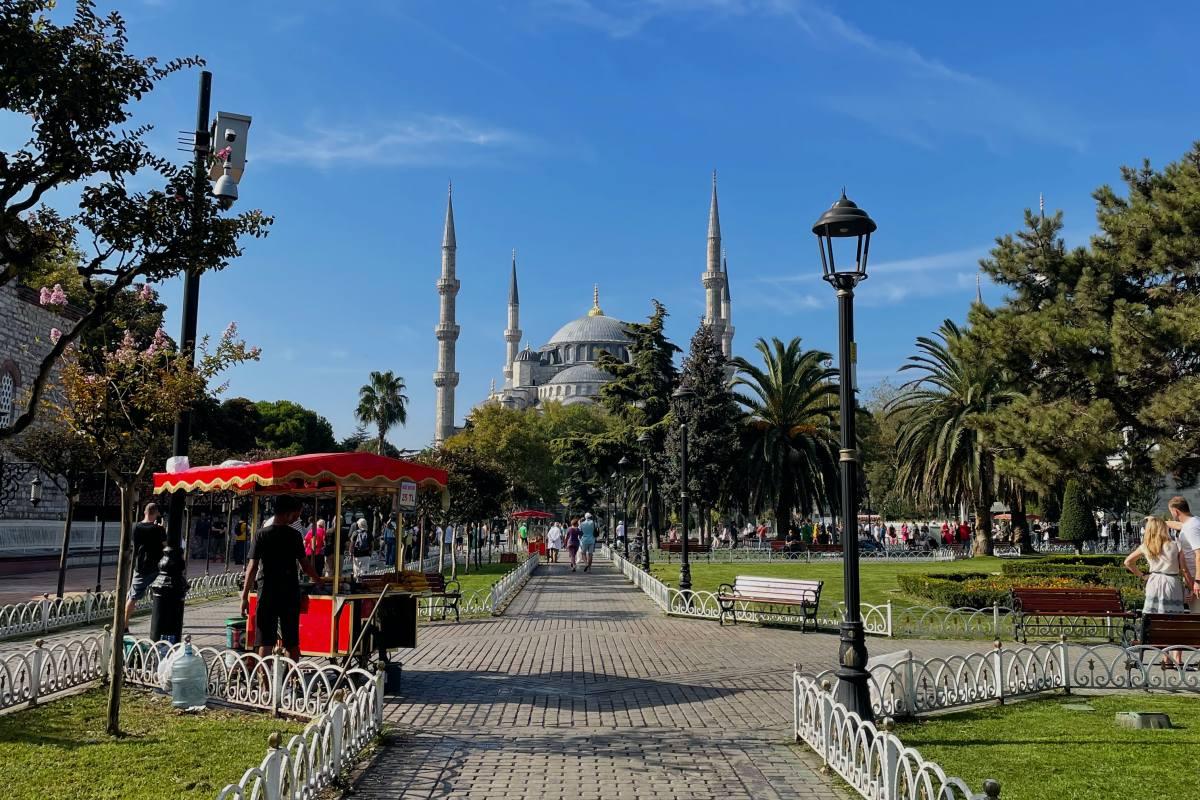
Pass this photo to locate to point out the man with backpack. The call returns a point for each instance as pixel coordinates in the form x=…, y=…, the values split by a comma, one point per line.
x=360, y=546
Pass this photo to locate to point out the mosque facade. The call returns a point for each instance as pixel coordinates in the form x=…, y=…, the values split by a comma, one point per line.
x=564, y=368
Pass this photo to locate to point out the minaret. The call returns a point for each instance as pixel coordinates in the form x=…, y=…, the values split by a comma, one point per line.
x=726, y=310
x=713, y=278
x=512, y=334
x=445, y=379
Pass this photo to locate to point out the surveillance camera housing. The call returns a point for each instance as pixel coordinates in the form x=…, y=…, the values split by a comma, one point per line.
x=230, y=135
x=225, y=190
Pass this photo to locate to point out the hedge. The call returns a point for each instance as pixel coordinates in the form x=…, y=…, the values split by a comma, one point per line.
x=980, y=590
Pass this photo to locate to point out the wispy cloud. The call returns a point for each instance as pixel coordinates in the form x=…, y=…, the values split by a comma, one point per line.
x=415, y=140
x=911, y=96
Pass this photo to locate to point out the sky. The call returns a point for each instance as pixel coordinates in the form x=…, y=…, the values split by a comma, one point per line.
x=584, y=133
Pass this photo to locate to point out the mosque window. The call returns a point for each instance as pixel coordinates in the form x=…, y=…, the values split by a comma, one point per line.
x=7, y=390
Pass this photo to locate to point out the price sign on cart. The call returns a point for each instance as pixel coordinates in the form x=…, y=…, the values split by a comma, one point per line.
x=408, y=494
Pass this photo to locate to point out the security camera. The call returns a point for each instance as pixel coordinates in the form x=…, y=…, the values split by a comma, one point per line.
x=225, y=189
x=230, y=135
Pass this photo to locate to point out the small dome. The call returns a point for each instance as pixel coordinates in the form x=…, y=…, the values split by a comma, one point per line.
x=527, y=355
x=591, y=329
x=581, y=373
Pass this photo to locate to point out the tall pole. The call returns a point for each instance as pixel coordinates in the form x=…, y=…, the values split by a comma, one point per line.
x=649, y=519
x=852, y=688
x=166, y=620
x=685, y=568
x=625, y=517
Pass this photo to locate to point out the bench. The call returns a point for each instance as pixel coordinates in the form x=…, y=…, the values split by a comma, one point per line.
x=445, y=592
x=1067, y=606
x=677, y=547
x=1169, y=630
x=774, y=593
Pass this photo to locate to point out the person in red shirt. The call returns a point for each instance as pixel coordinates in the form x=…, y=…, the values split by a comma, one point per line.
x=964, y=532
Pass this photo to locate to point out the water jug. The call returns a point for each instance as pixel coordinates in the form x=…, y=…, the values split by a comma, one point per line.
x=189, y=678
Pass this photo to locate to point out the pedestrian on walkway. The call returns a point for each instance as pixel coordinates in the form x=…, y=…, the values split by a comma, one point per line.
x=314, y=545
x=554, y=541
x=587, y=540
x=573, y=537
x=149, y=540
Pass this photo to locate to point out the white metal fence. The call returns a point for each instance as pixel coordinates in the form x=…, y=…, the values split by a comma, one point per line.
x=761, y=555
x=51, y=613
x=872, y=760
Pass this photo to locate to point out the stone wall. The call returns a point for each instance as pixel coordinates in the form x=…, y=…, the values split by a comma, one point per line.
x=24, y=342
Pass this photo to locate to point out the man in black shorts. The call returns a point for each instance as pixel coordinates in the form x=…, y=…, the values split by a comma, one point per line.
x=275, y=554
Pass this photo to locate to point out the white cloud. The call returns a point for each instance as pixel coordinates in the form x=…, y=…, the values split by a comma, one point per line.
x=912, y=96
x=416, y=140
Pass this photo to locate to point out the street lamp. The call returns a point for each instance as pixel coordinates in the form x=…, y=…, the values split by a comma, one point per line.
x=169, y=588
x=622, y=467
x=845, y=220
x=35, y=491
x=646, y=441
x=682, y=396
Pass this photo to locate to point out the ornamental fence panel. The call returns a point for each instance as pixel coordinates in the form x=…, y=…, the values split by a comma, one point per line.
x=51, y=613
x=49, y=668
x=759, y=555
x=910, y=687
x=505, y=589
x=872, y=760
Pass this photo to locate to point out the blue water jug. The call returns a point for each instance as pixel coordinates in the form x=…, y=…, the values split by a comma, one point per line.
x=189, y=678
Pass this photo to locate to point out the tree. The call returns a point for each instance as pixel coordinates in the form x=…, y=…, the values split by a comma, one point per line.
x=712, y=421
x=1077, y=524
x=944, y=457
x=382, y=403
x=291, y=428
x=877, y=433
x=789, y=444
x=74, y=86
x=118, y=412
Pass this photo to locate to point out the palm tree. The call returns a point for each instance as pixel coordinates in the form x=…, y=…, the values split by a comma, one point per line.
x=943, y=455
x=789, y=441
x=382, y=403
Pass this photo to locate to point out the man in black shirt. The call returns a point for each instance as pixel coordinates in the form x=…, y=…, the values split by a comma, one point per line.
x=275, y=554
x=149, y=539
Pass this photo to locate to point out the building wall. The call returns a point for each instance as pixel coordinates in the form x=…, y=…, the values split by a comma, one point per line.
x=24, y=342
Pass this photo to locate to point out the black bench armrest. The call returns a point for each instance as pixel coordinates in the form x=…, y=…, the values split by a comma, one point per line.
x=452, y=587
x=725, y=588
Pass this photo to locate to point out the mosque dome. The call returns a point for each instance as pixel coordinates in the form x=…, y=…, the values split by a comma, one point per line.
x=580, y=373
x=527, y=355
x=591, y=328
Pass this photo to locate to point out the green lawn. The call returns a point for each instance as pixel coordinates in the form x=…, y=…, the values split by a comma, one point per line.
x=482, y=579
x=60, y=749
x=1043, y=750
x=877, y=580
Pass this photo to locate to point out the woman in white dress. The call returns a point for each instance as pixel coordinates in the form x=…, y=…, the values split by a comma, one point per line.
x=554, y=542
x=1164, y=583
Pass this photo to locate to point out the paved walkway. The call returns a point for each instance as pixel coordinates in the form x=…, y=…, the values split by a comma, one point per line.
x=584, y=689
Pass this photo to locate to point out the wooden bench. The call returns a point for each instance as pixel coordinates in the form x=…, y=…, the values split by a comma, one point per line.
x=1169, y=630
x=445, y=592
x=677, y=547
x=1067, y=606
x=774, y=593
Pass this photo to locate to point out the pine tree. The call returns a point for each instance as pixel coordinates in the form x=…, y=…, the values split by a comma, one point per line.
x=712, y=420
x=1077, y=523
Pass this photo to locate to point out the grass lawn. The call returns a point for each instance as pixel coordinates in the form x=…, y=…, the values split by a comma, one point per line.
x=483, y=578
x=877, y=581
x=1043, y=750
x=60, y=749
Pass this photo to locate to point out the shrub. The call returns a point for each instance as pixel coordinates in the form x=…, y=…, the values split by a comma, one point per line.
x=979, y=590
x=1077, y=523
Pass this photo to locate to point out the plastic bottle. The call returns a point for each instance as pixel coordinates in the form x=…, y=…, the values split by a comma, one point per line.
x=189, y=678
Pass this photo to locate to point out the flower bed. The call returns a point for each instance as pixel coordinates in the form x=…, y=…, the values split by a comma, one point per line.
x=978, y=590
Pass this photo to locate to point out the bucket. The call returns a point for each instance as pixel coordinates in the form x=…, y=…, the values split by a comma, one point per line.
x=235, y=633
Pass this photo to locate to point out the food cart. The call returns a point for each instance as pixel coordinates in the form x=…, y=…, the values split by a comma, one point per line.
x=354, y=614
x=537, y=537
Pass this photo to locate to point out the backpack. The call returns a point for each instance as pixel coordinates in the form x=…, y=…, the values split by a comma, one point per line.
x=360, y=544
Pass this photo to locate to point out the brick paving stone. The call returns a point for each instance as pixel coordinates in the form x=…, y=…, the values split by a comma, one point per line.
x=584, y=689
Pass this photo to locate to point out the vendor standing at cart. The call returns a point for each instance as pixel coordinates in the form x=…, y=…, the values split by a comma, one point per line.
x=276, y=555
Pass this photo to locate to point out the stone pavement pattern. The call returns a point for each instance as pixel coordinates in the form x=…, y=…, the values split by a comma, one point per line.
x=584, y=689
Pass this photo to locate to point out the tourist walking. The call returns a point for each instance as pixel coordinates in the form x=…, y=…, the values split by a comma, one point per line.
x=149, y=541
x=587, y=540
x=389, y=542
x=554, y=541
x=1188, y=526
x=573, y=536
x=360, y=547
x=1164, y=584
x=314, y=545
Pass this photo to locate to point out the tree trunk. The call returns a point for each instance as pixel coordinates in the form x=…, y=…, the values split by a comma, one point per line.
x=1020, y=521
x=66, y=541
x=124, y=562
x=982, y=545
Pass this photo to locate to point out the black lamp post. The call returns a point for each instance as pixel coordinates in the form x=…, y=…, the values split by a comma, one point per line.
x=622, y=468
x=645, y=441
x=683, y=395
x=845, y=220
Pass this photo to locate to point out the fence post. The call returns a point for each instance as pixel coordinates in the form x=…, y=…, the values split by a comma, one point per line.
x=45, y=612
x=890, y=632
x=995, y=619
x=87, y=605
x=337, y=719
x=106, y=654
x=36, y=658
x=998, y=666
x=273, y=780
x=910, y=687
x=891, y=759
x=495, y=603
x=276, y=680
x=379, y=676
x=1062, y=662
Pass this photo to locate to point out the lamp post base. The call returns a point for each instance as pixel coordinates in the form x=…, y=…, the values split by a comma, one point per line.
x=853, y=689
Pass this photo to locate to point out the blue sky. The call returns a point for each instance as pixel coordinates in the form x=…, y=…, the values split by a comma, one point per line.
x=583, y=133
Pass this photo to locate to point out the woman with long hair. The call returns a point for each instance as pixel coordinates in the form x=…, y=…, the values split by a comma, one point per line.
x=1164, y=583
